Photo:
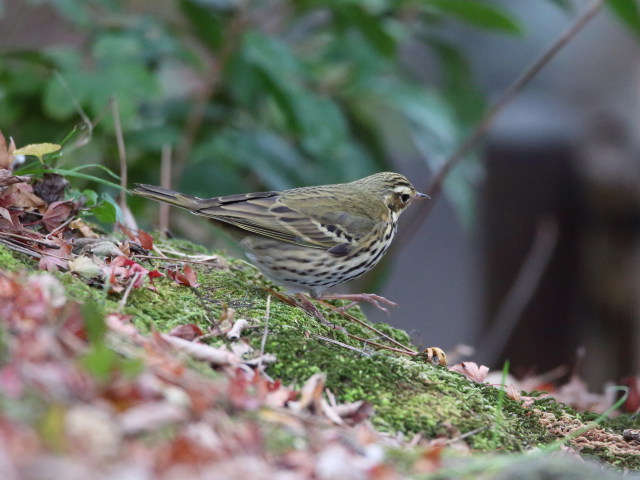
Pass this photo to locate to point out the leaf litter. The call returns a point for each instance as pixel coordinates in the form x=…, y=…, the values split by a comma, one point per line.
x=122, y=404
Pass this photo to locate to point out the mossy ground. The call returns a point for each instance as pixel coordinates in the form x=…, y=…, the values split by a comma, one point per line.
x=408, y=395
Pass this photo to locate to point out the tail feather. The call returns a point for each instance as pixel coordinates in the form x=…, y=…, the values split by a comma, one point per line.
x=165, y=195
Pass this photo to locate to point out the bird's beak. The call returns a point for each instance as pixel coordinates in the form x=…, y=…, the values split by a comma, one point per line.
x=420, y=196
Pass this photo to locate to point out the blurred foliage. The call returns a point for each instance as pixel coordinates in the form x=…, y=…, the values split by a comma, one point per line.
x=251, y=94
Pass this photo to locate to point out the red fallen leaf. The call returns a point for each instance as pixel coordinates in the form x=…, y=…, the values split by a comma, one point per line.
x=53, y=258
x=155, y=274
x=121, y=269
x=56, y=215
x=189, y=331
x=471, y=370
x=187, y=277
x=126, y=231
x=146, y=240
x=632, y=404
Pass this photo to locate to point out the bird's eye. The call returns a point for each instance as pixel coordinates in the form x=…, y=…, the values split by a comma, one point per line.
x=405, y=197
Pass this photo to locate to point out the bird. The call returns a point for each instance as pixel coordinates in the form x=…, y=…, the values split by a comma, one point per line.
x=309, y=239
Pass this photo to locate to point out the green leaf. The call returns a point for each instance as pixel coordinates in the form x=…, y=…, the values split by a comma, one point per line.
x=107, y=211
x=206, y=22
x=628, y=12
x=371, y=26
x=32, y=170
x=478, y=13
x=91, y=197
x=93, y=322
x=100, y=361
x=96, y=165
x=457, y=84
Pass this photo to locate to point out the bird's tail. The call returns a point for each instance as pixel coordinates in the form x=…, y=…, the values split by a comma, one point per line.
x=167, y=196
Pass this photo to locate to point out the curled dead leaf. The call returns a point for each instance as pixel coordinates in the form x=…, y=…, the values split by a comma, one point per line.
x=7, y=178
x=471, y=370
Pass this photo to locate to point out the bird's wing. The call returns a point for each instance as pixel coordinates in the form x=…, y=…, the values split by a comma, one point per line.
x=265, y=214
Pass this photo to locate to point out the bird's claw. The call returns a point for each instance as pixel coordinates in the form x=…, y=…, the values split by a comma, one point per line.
x=372, y=298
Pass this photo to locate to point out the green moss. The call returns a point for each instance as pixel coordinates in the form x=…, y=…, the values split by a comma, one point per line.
x=12, y=261
x=408, y=395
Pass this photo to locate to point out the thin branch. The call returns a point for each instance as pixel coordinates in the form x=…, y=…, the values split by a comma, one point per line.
x=122, y=154
x=470, y=142
x=196, y=115
x=165, y=181
x=520, y=293
x=123, y=300
x=76, y=105
x=263, y=342
x=29, y=239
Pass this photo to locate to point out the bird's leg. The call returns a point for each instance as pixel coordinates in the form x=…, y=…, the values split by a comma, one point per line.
x=308, y=305
x=372, y=298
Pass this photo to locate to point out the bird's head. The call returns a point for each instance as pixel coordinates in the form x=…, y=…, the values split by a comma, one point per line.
x=393, y=189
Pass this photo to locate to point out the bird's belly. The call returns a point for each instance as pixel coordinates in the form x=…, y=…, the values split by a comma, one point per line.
x=310, y=270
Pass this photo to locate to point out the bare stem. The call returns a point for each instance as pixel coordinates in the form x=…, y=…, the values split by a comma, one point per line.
x=165, y=181
x=122, y=154
x=470, y=142
x=522, y=290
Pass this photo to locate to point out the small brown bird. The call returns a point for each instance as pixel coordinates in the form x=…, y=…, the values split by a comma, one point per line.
x=309, y=239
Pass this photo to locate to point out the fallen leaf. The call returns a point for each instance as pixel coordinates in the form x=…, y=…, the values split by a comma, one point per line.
x=471, y=370
x=7, y=178
x=86, y=267
x=20, y=195
x=56, y=215
x=54, y=258
x=189, y=331
x=146, y=240
x=187, y=277
x=83, y=228
x=6, y=152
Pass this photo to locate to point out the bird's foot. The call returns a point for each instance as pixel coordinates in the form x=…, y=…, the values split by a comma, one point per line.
x=308, y=305
x=431, y=354
x=372, y=298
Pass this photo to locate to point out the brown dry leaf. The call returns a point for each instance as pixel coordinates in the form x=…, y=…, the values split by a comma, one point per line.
x=6, y=215
x=311, y=392
x=20, y=195
x=471, y=370
x=7, y=178
x=52, y=259
x=513, y=393
x=6, y=152
x=189, y=331
x=187, y=277
x=83, y=228
x=146, y=240
x=56, y=215
x=576, y=394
